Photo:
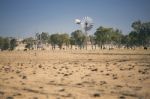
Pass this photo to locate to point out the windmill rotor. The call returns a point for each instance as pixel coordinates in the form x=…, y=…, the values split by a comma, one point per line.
x=86, y=23
x=77, y=21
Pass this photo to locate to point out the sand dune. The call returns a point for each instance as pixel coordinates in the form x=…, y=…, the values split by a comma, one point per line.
x=76, y=74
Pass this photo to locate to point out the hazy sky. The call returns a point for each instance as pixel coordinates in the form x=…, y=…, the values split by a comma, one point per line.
x=22, y=18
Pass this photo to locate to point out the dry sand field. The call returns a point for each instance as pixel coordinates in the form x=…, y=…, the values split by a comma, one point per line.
x=76, y=74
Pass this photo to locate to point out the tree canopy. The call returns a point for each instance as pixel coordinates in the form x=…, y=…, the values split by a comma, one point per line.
x=7, y=43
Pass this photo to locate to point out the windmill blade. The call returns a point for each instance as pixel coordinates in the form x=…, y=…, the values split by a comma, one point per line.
x=77, y=21
x=87, y=23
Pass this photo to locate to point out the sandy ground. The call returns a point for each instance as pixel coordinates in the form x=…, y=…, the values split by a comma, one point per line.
x=99, y=74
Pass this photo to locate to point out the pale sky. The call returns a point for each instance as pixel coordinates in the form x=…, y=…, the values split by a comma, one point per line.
x=22, y=18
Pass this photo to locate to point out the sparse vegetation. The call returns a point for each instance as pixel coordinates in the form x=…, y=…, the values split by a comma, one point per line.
x=139, y=36
x=7, y=43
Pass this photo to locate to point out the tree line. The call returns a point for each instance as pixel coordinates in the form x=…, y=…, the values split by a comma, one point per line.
x=139, y=36
x=8, y=43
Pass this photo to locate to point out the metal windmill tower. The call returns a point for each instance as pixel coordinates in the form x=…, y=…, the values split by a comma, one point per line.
x=86, y=25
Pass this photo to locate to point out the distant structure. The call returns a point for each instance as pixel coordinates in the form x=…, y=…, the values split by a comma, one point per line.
x=86, y=24
x=39, y=44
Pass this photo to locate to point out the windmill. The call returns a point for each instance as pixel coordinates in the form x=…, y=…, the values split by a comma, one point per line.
x=86, y=25
x=38, y=41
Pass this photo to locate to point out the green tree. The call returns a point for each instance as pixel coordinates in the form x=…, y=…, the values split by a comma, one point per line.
x=29, y=42
x=108, y=36
x=72, y=41
x=6, y=44
x=143, y=32
x=125, y=40
x=79, y=37
x=103, y=36
x=1, y=43
x=54, y=40
x=59, y=39
x=116, y=36
x=65, y=38
x=42, y=37
x=137, y=26
x=13, y=44
x=93, y=41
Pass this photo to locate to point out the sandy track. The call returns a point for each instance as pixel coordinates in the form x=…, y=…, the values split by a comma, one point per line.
x=100, y=74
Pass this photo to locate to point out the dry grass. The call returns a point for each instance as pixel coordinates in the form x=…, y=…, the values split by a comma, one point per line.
x=76, y=74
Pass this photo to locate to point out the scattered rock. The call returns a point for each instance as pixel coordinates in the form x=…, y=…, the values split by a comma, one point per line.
x=65, y=74
x=7, y=68
x=122, y=97
x=35, y=97
x=89, y=59
x=95, y=94
x=24, y=77
x=65, y=94
x=114, y=63
x=115, y=77
x=55, y=75
x=31, y=90
x=103, y=82
x=61, y=89
x=17, y=71
x=66, y=67
x=79, y=84
x=2, y=93
x=70, y=73
x=137, y=88
x=9, y=97
x=94, y=69
x=54, y=67
x=107, y=74
x=21, y=64
x=12, y=77
x=119, y=86
x=17, y=94
x=40, y=66
x=129, y=93
x=41, y=87
x=75, y=63
x=121, y=69
x=22, y=83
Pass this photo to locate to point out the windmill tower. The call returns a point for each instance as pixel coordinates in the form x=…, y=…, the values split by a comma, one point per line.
x=86, y=25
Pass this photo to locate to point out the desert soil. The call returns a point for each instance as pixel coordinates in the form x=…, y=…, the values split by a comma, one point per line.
x=76, y=74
